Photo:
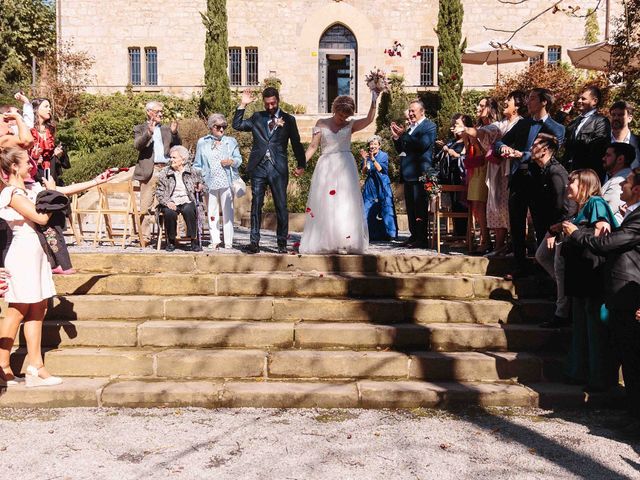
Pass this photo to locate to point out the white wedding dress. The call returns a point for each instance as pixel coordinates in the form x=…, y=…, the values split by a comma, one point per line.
x=335, y=220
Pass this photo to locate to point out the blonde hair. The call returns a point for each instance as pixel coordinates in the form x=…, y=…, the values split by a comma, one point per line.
x=588, y=185
x=344, y=104
x=9, y=156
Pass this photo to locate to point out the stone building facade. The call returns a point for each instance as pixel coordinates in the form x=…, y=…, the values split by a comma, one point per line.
x=318, y=48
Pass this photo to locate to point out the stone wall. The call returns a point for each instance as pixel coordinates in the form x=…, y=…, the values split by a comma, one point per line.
x=287, y=35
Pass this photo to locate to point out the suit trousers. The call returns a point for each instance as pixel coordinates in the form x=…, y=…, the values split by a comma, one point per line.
x=523, y=196
x=553, y=263
x=626, y=337
x=188, y=211
x=266, y=174
x=415, y=199
x=147, y=200
x=221, y=200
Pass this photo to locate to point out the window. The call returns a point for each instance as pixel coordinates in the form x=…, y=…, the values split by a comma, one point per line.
x=537, y=58
x=554, y=54
x=251, y=58
x=235, y=66
x=151, y=59
x=135, y=72
x=426, y=66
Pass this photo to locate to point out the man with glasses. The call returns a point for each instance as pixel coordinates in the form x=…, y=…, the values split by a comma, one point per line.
x=153, y=140
x=272, y=131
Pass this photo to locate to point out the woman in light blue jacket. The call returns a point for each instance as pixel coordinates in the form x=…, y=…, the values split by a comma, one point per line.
x=218, y=157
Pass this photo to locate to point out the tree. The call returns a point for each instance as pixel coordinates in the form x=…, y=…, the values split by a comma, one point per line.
x=27, y=30
x=625, y=64
x=64, y=77
x=216, y=96
x=450, y=50
x=591, y=27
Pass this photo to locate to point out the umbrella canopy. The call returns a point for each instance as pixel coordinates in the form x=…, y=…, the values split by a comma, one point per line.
x=595, y=56
x=493, y=52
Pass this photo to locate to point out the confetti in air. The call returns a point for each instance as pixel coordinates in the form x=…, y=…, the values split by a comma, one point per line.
x=332, y=192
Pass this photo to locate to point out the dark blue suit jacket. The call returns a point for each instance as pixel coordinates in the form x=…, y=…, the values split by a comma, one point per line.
x=518, y=138
x=418, y=149
x=275, y=143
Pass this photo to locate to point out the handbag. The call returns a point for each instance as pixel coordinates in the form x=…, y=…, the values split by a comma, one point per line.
x=238, y=187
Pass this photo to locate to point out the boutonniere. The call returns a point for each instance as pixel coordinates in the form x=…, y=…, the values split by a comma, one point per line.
x=280, y=122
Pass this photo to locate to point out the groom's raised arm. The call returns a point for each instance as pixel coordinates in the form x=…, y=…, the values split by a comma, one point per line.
x=239, y=123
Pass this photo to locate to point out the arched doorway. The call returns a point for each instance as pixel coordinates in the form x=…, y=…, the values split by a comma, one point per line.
x=337, y=65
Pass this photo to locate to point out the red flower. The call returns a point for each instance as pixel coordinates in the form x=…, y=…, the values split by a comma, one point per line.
x=308, y=210
x=296, y=245
x=332, y=192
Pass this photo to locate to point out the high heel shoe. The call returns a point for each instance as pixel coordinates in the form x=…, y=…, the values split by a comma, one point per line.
x=33, y=378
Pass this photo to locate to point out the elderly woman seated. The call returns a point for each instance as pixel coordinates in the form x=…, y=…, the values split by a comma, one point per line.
x=176, y=192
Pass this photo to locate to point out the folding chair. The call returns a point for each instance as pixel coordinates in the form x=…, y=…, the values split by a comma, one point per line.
x=107, y=209
x=439, y=213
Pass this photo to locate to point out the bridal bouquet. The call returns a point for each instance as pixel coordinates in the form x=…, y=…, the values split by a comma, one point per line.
x=377, y=81
x=431, y=184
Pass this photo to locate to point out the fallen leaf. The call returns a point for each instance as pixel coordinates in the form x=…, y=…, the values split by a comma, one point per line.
x=348, y=236
x=291, y=264
x=349, y=437
x=445, y=446
x=532, y=451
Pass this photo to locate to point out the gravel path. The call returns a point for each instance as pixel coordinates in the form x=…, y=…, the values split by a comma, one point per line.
x=308, y=444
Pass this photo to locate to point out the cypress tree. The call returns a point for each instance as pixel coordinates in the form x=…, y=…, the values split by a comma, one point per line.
x=216, y=96
x=450, y=50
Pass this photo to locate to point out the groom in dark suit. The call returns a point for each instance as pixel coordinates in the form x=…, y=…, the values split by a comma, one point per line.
x=272, y=131
x=416, y=143
x=622, y=283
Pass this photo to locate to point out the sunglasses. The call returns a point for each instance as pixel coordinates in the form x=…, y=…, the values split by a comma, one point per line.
x=220, y=127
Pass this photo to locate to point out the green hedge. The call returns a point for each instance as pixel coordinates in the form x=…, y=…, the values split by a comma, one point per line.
x=85, y=166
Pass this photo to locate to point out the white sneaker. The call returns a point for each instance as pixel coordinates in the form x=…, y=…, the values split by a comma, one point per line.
x=33, y=379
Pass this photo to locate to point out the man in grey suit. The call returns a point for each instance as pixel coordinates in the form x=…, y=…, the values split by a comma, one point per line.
x=153, y=142
x=622, y=283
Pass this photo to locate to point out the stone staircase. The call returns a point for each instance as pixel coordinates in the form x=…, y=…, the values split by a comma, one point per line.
x=296, y=331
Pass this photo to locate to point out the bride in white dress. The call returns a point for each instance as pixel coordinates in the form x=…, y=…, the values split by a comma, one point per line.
x=335, y=221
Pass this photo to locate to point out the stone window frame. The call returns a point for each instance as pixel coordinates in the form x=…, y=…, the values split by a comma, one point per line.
x=151, y=75
x=251, y=61
x=235, y=66
x=135, y=66
x=427, y=66
x=555, y=49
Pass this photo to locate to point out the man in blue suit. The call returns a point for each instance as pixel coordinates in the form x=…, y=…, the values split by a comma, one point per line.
x=523, y=189
x=416, y=142
x=272, y=129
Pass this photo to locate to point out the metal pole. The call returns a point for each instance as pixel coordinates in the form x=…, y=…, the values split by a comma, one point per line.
x=33, y=76
x=607, y=13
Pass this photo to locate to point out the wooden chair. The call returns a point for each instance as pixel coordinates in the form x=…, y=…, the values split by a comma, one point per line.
x=77, y=213
x=106, y=210
x=438, y=214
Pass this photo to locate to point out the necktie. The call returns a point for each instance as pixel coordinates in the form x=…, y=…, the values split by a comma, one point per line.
x=272, y=123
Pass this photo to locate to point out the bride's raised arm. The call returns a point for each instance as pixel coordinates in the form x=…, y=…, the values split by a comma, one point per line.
x=315, y=141
x=363, y=122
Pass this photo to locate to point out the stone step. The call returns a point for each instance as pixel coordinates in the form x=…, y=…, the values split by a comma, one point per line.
x=439, y=337
x=296, y=364
x=104, y=392
x=160, y=262
x=133, y=307
x=295, y=284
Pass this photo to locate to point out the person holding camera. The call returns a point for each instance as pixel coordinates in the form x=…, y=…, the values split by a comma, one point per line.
x=379, y=209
